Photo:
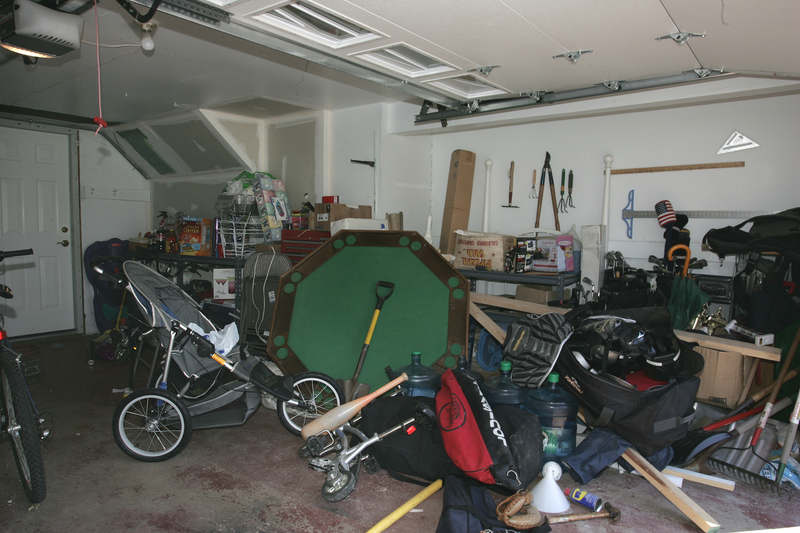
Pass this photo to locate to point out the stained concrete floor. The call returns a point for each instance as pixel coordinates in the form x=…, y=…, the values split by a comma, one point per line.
x=249, y=479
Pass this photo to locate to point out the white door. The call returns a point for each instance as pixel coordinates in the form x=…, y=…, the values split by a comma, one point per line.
x=35, y=213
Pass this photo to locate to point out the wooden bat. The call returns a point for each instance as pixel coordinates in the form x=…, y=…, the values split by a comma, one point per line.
x=342, y=413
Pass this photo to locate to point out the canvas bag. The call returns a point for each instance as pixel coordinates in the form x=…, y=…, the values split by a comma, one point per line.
x=502, y=445
x=650, y=420
x=779, y=233
x=420, y=454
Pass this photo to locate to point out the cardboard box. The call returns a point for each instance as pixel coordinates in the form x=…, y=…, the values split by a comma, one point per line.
x=224, y=284
x=359, y=223
x=324, y=214
x=330, y=199
x=481, y=250
x=458, y=199
x=722, y=378
x=539, y=294
x=194, y=236
x=558, y=252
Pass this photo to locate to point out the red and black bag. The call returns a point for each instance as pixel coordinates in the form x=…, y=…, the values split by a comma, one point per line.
x=502, y=445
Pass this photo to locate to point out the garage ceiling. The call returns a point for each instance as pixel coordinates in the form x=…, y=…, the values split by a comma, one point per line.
x=233, y=56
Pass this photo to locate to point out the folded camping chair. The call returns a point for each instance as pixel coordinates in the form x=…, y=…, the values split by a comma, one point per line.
x=260, y=283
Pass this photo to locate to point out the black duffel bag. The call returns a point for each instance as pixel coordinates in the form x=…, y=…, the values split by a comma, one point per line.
x=649, y=419
x=420, y=454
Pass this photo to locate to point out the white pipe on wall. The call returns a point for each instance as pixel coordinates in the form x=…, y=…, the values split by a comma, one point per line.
x=488, y=164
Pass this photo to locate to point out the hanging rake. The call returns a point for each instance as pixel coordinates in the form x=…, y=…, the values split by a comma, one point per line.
x=562, y=204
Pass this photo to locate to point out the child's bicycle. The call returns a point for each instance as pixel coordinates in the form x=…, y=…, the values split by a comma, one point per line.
x=19, y=418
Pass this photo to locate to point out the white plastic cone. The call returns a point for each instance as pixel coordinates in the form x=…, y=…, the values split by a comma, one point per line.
x=548, y=497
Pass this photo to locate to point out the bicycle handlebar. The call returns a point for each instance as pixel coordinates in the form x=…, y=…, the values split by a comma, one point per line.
x=15, y=253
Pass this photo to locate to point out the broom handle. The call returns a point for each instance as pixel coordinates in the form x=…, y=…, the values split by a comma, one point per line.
x=762, y=422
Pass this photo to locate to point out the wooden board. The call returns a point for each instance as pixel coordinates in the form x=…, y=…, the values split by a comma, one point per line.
x=702, y=166
x=666, y=487
x=767, y=353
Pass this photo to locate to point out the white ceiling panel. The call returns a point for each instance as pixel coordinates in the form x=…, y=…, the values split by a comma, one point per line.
x=242, y=64
x=742, y=35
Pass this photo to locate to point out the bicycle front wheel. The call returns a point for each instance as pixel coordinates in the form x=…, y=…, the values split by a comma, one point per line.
x=320, y=392
x=22, y=427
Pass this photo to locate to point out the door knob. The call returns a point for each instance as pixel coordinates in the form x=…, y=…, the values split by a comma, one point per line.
x=63, y=243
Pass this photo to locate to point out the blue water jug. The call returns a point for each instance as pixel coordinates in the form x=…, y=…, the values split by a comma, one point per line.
x=500, y=390
x=557, y=411
x=422, y=380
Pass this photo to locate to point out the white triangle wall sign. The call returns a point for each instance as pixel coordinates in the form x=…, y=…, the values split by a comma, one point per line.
x=737, y=142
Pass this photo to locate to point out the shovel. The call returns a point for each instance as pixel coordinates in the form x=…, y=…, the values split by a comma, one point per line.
x=352, y=388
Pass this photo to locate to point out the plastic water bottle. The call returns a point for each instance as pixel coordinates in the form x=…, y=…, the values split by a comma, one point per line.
x=500, y=390
x=422, y=380
x=557, y=411
x=462, y=365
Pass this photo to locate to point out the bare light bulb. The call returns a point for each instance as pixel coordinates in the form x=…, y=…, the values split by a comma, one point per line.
x=147, y=42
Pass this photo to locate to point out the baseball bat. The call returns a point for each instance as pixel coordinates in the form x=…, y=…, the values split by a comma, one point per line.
x=342, y=413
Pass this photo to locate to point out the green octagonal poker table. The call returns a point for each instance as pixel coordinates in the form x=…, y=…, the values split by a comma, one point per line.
x=326, y=303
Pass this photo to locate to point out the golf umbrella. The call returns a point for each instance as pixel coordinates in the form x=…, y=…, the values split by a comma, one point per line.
x=686, y=299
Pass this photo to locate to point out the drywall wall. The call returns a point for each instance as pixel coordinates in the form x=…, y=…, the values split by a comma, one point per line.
x=681, y=136
x=401, y=177
x=121, y=214
x=291, y=157
x=195, y=198
x=664, y=137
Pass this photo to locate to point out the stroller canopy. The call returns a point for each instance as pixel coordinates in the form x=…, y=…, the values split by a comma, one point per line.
x=161, y=300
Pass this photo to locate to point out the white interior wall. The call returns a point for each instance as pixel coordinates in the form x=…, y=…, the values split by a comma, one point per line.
x=354, y=134
x=401, y=178
x=662, y=137
x=680, y=136
x=105, y=218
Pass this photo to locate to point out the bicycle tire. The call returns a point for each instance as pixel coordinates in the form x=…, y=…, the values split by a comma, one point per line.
x=152, y=425
x=25, y=441
x=324, y=393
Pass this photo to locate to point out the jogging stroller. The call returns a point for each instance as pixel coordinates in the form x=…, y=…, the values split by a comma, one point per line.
x=196, y=387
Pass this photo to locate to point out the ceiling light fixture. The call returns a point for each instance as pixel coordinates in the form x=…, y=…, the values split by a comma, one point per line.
x=31, y=29
x=147, y=36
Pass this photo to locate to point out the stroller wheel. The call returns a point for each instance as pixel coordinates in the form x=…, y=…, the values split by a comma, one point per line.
x=152, y=425
x=338, y=485
x=321, y=394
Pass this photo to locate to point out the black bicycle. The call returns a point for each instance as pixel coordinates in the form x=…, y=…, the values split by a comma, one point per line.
x=19, y=418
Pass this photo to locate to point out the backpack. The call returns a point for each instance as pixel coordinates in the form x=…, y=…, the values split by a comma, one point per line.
x=469, y=508
x=650, y=419
x=420, y=454
x=779, y=233
x=502, y=444
x=107, y=296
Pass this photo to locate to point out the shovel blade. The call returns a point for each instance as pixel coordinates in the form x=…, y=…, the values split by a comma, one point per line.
x=360, y=389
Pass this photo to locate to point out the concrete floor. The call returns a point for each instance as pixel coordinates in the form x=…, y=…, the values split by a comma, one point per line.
x=250, y=479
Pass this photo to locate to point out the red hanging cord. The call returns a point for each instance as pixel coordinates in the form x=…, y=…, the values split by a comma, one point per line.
x=98, y=120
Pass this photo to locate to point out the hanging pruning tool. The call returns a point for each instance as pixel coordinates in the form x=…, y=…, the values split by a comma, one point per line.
x=569, y=190
x=562, y=205
x=511, y=187
x=546, y=169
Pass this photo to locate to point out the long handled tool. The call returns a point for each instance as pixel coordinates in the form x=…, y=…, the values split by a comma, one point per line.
x=510, y=187
x=553, y=196
x=352, y=388
x=541, y=189
x=787, y=444
x=762, y=422
x=547, y=169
